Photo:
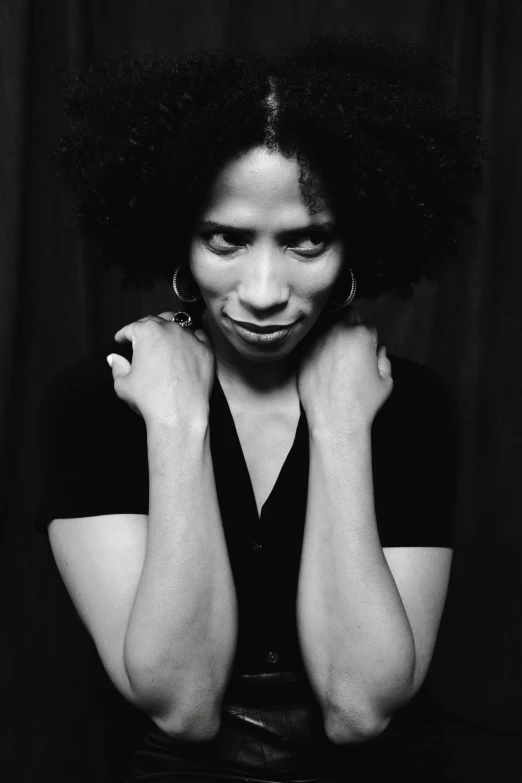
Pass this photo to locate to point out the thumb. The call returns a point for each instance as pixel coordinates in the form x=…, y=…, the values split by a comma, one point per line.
x=383, y=363
x=118, y=364
x=202, y=336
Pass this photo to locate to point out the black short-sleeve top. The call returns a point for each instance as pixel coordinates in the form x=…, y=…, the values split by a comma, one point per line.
x=94, y=462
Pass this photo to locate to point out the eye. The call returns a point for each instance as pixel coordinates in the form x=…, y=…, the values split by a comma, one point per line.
x=224, y=241
x=311, y=243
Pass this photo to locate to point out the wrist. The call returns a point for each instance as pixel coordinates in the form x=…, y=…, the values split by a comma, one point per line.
x=193, y=421
x=176, y=445
x=321, y=430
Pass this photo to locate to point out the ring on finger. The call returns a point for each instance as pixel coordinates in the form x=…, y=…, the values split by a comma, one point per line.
x=182, y=319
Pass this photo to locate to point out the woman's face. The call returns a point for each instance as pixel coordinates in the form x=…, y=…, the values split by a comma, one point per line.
x=260, y=259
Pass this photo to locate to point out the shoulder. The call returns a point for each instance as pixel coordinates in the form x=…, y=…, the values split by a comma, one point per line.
x=421, y=411
x=415, y=459
x=412, y=375
x=92, y=446
x=89, y=370
x=419, y=389
x=87, y=373
x=82, y=393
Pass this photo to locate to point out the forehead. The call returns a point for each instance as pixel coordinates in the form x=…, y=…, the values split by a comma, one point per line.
x=259, y=185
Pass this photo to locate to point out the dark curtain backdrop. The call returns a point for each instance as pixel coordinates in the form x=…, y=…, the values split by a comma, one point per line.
x=63, y=720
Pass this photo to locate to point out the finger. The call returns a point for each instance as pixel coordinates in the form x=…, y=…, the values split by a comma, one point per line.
x=157, y=318
x=383, y=362
x=126, y=334
x=371, y=330
x=119, y=365
x=168, y=315
x=202, y=336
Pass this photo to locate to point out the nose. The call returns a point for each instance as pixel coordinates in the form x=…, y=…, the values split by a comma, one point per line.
x=263, y=284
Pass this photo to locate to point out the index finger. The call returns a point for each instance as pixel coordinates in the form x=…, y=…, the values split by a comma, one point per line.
x=126, y=334
x=168, y=315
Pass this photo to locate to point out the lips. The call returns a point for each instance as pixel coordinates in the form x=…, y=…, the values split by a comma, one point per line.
x=262, y=339
x=263, y=329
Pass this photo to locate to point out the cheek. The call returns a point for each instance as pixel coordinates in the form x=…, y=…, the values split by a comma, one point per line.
x=211, y=277
x=317, y=279
x=309, y=279
x=335, y=262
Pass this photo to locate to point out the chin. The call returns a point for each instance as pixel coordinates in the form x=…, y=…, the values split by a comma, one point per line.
x=264, y=355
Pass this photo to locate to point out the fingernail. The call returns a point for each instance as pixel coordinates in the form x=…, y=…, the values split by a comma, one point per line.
x=109, y=360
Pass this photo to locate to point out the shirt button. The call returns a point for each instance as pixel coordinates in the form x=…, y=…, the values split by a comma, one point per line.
x=273, y=657
x=257, y=546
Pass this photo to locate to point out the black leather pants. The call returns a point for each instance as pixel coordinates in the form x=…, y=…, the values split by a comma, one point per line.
x=272, y=731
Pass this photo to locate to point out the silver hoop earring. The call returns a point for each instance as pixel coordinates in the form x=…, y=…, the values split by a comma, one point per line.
x=335, y=306
x=176, y=291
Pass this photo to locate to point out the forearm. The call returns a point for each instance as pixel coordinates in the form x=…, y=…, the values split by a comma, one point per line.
x=181, y=634
x=355, y=635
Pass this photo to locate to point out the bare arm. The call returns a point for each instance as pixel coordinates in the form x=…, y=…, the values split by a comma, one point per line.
x=357, y=641
x=367, y=617
x=154, y=590
x=365, y=653
x=181, y=635
x=136, y=581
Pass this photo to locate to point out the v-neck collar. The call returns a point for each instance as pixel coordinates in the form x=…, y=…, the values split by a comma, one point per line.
x=231, y=464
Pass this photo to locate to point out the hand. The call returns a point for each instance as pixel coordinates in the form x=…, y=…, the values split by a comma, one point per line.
x=342, y=378
x=172, y=370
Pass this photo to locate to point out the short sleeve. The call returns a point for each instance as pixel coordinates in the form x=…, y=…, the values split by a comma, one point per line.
x=92, y=446
x=415, y=459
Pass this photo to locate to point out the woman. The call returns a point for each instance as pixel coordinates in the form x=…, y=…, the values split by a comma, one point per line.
x=261, y=556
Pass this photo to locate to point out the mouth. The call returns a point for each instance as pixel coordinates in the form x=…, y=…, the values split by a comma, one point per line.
x=262, y=335
x=263, y=329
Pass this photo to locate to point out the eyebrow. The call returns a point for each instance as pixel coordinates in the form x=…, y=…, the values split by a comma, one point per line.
x=207, y=225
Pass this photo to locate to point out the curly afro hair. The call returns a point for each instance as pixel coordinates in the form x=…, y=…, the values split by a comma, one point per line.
x=369, y=118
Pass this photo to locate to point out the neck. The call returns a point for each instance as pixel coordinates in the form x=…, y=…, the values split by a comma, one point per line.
x=250, y=382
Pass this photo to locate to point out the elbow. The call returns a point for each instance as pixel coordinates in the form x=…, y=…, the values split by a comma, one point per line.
x=354, y=716
x=202, y=726
x=343, y=728
x=193, y=716
x=188, y=711
x=354, y=723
